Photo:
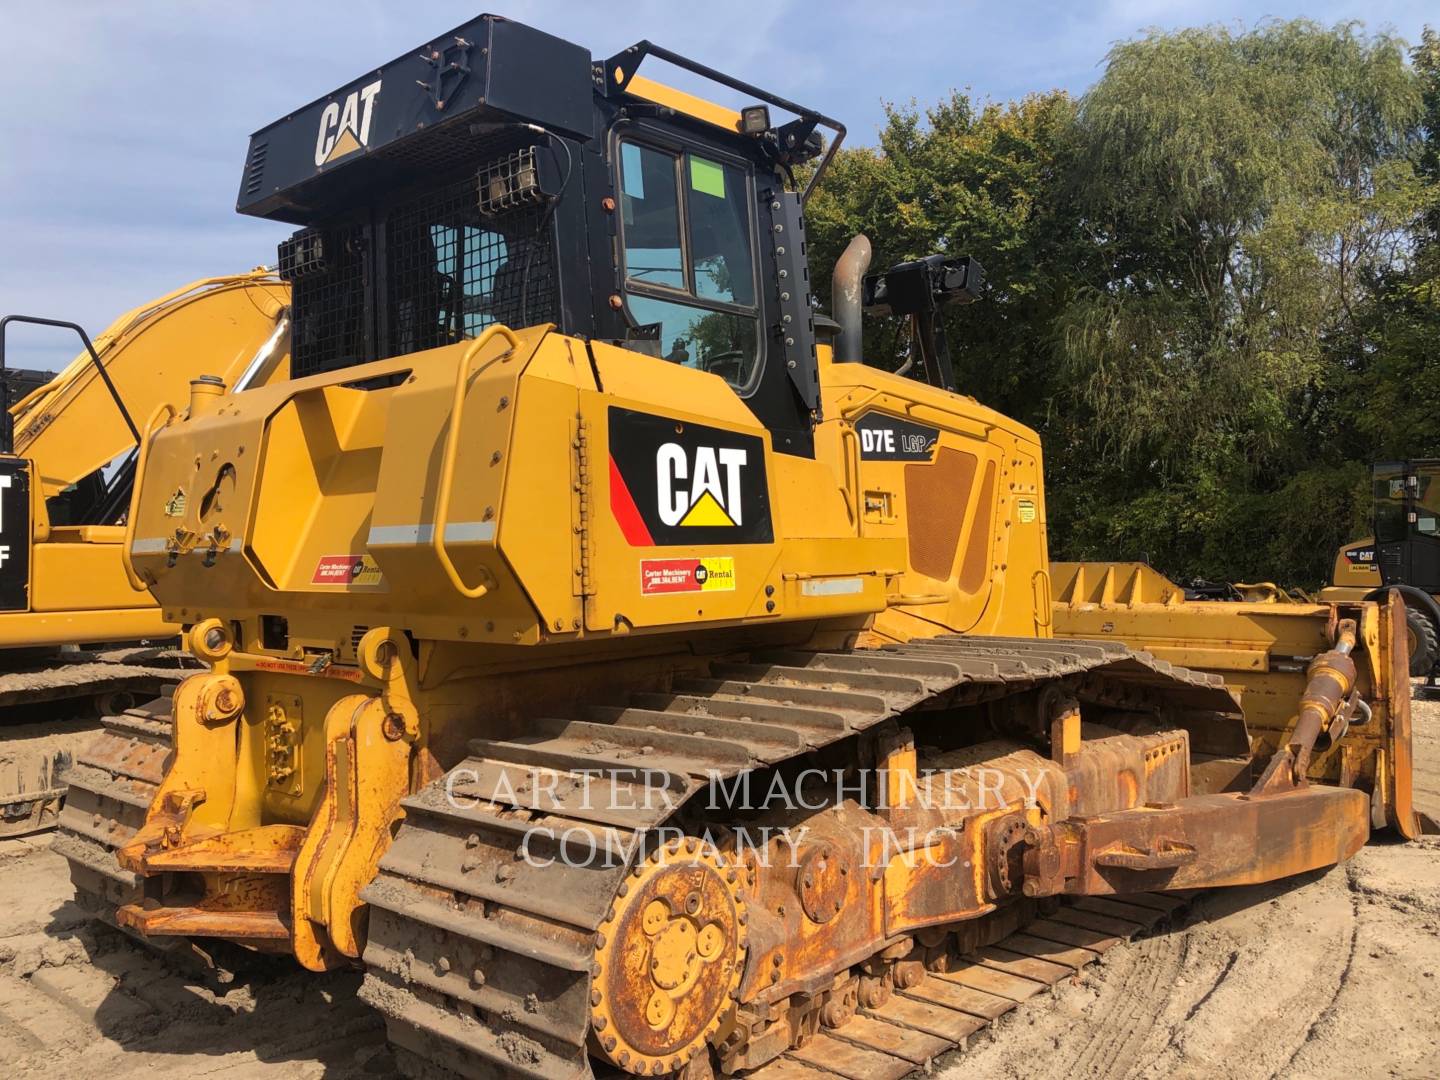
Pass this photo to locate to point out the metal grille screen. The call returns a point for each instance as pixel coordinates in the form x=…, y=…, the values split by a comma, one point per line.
x=327, y=275
x=449, y=272
x=452, y=272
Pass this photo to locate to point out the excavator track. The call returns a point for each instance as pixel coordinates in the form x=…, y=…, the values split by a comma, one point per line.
x=483, y=959
x=112, y=783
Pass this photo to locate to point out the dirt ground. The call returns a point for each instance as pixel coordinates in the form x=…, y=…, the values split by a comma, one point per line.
x=1331, y=975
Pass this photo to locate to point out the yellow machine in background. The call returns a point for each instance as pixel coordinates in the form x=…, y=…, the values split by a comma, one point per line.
x=578, y=535
x=1406, y=556
x=67, y=471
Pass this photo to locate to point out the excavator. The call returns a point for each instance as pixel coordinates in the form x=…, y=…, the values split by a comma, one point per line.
x=67, y=467
x=619, y=671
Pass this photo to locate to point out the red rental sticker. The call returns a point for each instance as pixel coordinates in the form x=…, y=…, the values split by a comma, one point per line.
x=712, y=573
x=346, y=570
x=669, y=576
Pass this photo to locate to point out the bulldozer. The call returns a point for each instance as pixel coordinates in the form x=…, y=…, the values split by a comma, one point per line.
x=612, y=665
x=75, y=636
x=1402, y=554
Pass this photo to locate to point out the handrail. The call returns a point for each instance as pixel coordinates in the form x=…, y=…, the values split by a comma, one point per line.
x=853, y=503
x=7, y=426
x=142, y=456
x=452, y=446
x=620, y=69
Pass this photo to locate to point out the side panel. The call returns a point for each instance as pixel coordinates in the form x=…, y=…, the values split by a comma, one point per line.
x=84, y=576
x=693, y=517
x=959, y=486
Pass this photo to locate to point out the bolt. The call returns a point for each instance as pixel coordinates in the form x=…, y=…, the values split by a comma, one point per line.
x=214, y=638
x=393, y=727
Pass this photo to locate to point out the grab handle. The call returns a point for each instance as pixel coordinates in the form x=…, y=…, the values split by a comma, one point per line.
x=452, y=447
x=166, y=410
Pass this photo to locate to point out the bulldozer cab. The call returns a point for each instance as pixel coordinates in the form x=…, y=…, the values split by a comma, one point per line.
x=451, y=190
x=1407, y=522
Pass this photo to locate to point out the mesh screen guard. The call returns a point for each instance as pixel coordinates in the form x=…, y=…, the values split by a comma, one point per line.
x=431, y=270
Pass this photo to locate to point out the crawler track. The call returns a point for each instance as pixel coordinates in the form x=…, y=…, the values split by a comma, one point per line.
x=61, y=686
x=481, y=961
x=948, y=1008
x=111, y=785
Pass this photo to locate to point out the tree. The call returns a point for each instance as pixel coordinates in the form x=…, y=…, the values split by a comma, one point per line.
x=981, y=181
x=1242, y=194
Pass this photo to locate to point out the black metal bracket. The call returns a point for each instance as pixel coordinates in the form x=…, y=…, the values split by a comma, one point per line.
x=7, y=422
x=451, y=68
x=614, y=75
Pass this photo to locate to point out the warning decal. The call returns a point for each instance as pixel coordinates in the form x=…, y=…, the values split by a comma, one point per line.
x=708, y=574
x=346, y=570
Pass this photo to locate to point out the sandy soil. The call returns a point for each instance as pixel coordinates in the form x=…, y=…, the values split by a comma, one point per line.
x=1331, y=975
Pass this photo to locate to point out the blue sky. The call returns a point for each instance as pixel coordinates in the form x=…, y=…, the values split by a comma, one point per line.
x=124, y=125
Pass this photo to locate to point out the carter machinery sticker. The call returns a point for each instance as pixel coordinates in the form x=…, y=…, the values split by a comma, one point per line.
x=346, y=570
x=707, y=574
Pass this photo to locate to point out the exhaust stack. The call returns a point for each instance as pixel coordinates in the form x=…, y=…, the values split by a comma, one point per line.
x=845, y=298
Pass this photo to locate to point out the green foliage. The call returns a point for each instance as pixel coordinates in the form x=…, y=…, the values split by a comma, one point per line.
x=1214, y=283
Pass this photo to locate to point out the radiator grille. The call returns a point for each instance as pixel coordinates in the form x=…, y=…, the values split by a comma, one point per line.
x=936, y=497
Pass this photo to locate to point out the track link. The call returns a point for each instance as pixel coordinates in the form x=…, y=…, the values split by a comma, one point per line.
x=946, y=1009
x=112, y=784
x=481, y=960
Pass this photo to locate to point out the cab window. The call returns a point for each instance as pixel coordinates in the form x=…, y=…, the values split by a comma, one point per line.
x=689, y=260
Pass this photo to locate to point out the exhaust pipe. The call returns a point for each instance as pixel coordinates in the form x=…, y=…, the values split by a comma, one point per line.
x=845, y=298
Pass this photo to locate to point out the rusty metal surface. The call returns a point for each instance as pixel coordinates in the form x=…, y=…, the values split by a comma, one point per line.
x=951, y=1007
x=112, y=784
x=482, y=962
x=32, y=789
x=1201, y=842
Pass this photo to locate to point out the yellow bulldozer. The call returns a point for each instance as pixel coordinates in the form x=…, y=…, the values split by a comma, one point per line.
x=67, y=468
x=1403, y=554
x=617, y=669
